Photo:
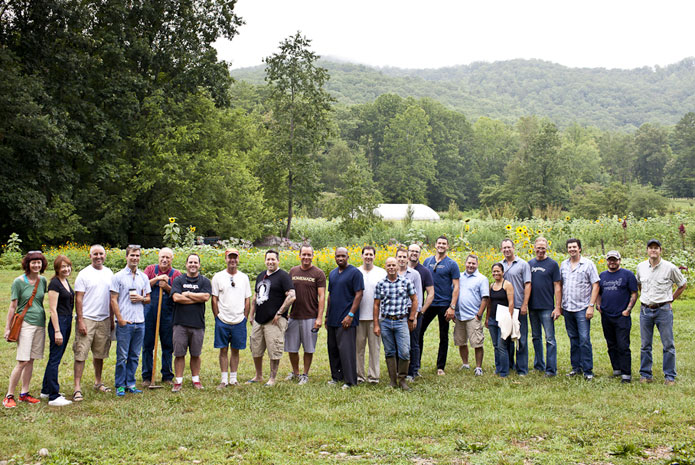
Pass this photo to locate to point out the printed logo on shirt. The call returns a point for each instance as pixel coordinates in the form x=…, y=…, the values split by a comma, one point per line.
x=612, y=285
x=262, y=291
x=537, y=268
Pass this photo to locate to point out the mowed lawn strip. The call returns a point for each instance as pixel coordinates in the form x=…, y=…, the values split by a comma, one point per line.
x=457, y=418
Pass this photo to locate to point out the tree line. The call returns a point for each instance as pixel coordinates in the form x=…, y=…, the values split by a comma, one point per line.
x=118, y=115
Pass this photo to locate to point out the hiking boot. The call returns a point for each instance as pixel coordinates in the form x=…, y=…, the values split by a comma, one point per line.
x=393, y=371
x=403, y=366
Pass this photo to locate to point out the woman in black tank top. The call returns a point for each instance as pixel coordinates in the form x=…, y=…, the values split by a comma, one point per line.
x=501, y=293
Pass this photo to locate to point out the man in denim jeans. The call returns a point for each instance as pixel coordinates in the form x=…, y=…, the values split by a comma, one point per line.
x=579, y=292
x=130, y=292
x=656, y=278
x=395, y=302
x=544, y=306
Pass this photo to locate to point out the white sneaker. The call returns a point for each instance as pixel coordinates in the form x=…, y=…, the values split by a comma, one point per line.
x=303, y=379
x=332, y=382
x=409, y=379
x=43, y=395
x=465, y=366
x=291, y=376
x=478, y=371
x=59, y=402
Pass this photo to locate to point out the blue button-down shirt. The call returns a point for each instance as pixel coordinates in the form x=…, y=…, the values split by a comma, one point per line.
x=472, y=289
x=121, y=283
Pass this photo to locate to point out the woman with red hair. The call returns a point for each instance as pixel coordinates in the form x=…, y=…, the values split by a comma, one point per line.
x=31, y=286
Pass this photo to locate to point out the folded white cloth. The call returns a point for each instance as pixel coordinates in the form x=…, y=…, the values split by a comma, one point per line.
x=509, y=325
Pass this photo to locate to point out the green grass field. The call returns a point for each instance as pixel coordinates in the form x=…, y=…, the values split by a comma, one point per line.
x=453, y=419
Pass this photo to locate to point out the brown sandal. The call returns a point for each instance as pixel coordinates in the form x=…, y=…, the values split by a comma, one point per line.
x=101, y=387
x=77, y=396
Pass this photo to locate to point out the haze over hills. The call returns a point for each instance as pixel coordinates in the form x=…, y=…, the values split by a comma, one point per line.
x=506, y=90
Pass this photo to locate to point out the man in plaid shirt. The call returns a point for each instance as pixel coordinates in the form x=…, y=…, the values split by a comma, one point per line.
x=394, y=301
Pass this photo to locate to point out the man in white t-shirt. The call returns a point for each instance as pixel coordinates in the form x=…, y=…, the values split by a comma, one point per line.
x=231, y=302
x=94, y=319
x=365, y=330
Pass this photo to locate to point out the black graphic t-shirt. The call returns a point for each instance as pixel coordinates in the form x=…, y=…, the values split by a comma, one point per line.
x=270, y=294
x=192, y=315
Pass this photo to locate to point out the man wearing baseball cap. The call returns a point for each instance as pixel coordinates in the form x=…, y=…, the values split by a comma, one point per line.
x=231, y=302
x=617, y=295
x=656, y=278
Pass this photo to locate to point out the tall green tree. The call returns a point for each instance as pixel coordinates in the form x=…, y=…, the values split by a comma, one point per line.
x=652, y=153
x=536, y=176
x=299, y=126
x=408, y=163
x=680, y=171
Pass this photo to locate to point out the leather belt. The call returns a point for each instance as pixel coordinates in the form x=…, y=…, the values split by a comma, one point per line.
x=655, y=306
x=394, y=317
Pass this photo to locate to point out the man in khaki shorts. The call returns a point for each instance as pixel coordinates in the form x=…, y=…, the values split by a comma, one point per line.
x=94, y=319
x=274, y=295
x=474, y=292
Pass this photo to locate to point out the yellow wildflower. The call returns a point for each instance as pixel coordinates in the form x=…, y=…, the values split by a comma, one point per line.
x=509, y=227
x=172, y=219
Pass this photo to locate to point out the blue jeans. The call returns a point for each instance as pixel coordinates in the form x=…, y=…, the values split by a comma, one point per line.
x=543, y=318
x=501, y=348
x=579, y=333
x=166, y=328
x=396, y=338
x=662, y=317
x=521, y=352
x=414, y=367
x=50, y=376
x=128, y=345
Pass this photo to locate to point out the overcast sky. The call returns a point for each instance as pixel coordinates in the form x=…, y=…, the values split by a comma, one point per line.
x=432, y=34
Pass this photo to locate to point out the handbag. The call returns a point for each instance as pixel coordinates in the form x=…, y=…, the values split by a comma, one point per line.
x=18, y=318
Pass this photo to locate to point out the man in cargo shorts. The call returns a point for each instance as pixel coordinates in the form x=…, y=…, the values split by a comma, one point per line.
x=269, y=309
x=94, y=319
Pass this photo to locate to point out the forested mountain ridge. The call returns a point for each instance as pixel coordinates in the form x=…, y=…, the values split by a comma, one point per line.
x=506, y=90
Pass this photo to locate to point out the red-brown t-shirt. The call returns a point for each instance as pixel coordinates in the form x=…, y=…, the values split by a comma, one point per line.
x=306, y=285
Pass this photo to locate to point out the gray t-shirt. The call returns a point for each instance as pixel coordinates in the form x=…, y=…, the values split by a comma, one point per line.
x=518, y=273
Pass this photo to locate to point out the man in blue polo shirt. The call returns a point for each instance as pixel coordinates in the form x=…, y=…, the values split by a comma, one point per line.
x=617, y=295
x=474, y=292
x=345, y=286
x=445, y=274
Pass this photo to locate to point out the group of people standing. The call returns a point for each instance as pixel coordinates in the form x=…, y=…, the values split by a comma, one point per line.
x=365, y=307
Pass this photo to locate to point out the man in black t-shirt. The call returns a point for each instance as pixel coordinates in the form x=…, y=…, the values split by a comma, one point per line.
x=269, y=308
x=189, y=293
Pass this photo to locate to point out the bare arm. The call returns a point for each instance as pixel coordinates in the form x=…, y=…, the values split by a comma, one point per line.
x=215, y=309
x=678, y=292
x=429, y=299
x=594, y=294
x=510, y=297
x=79, y=296
x=377, y=307
x=322, y=303
x=558, y=300
x=290, y=296
x=10, y=314
x=247, y=307
x=450, y=312
x=347, y=321
x=481, y=309
x=527, y=295
x=412, y=319
x=253, y=309
x=633, y=300
x=53, y=309
x=116, y=310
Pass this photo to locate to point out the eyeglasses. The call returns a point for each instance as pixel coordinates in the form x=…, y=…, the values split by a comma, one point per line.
x=232, y=281
x=134, y=246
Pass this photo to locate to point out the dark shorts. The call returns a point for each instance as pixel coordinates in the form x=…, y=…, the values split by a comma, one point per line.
x=188, y=339
x=230, y=335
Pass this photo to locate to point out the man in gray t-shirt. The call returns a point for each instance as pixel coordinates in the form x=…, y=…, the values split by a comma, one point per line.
x=518, y=272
